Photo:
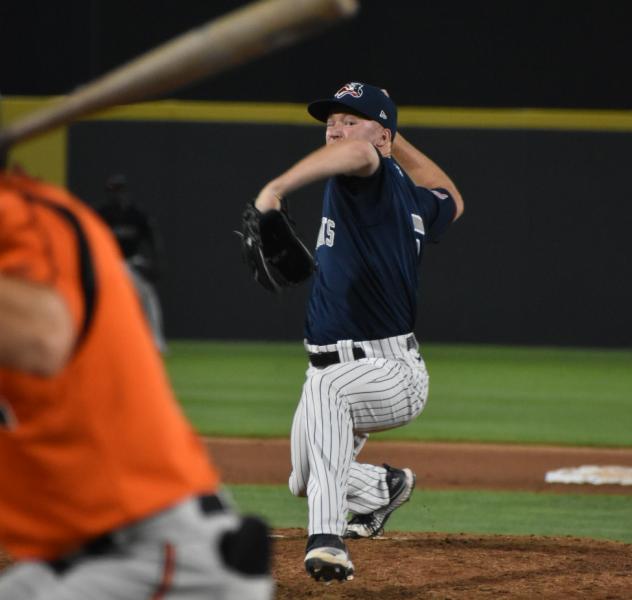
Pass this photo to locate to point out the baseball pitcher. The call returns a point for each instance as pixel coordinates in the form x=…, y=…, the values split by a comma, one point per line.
x=384, y=201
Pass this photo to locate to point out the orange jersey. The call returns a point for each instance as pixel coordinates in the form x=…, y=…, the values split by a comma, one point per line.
x=104, y=442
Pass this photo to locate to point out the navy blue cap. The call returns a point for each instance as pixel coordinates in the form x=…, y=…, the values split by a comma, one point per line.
x=366, y=100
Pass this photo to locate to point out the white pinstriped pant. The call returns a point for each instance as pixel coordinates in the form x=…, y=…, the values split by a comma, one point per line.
x=340, y=405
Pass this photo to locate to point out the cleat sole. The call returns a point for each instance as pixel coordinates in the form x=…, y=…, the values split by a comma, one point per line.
x=319, y=569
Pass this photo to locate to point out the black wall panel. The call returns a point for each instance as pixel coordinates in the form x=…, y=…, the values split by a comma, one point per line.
x=541, y=256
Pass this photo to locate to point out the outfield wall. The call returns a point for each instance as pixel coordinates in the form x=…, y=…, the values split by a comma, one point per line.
x=541, y=256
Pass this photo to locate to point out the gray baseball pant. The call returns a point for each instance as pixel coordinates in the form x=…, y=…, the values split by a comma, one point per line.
x=178, y=554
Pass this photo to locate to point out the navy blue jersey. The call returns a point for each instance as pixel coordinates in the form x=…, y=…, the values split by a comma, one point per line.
x=371, y=239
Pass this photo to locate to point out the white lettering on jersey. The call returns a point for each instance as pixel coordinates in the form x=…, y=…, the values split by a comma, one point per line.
x=326, y=233
x=418, y=225
x=398, y=169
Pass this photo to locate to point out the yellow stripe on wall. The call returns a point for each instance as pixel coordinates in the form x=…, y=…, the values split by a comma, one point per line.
x=209, y=112
x=46, y=156
x=517, y=118
x=409, y=116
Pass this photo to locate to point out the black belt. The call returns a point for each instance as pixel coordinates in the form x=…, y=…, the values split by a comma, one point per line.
x=106, y=543
x=321, y=360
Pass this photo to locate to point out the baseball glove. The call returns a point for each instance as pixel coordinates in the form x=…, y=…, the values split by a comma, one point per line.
x=273, y=251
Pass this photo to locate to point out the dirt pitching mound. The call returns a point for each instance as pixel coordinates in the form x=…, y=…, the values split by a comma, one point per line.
x=422, y=565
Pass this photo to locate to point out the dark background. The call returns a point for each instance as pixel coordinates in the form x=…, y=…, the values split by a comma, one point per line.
x=542, y=255
x=443, y=53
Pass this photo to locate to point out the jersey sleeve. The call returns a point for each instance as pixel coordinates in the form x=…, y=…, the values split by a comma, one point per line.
x=36, y=246
x=437, y=208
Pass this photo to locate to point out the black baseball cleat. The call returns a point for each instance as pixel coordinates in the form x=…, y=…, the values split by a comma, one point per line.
x=401, y=483
x=327, y=558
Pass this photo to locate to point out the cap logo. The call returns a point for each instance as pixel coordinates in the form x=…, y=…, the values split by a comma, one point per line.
x=350, y=89
x=383, y=115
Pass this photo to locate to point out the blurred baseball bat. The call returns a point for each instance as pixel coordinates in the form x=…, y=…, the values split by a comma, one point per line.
x=234, y=38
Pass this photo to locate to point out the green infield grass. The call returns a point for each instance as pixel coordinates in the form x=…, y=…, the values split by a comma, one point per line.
x=477, y=393
x=508, y=513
